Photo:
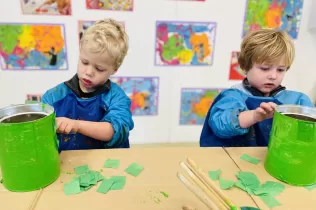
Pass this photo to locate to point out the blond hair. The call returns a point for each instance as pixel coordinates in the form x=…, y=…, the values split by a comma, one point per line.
x=265, y=46
x=108, y=36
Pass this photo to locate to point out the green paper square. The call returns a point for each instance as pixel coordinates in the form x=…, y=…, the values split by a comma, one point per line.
x=105, y=186
x=119, y=182
x=250, y=159
x=134, y=169
x=311, y=187
x=72, y=187
x=214, y=175
x=270, y=201
x=85, y=188
x=82, y=169
x=249, y=180
x=111, y=163
x=226, y=184
x=270, y=188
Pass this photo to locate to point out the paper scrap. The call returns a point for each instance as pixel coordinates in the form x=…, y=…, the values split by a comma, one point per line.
x=250, y=159
x=73, y=187
x=270, y=188
x=81, y=169
x=270, y=201
x=119, y=182
x=112, y=163
x=214, y=175
x=134, y=169
x=311, y=187
x=248, y=208
x=226, y=184
x=105, y=186
x=249, y=180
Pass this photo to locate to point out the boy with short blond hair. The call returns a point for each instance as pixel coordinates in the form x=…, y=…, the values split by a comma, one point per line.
x=91, y=111
x=242, y=115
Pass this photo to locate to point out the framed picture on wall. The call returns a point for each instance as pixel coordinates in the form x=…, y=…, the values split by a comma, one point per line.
x=34, y=97
x=33, y=46
x=283, y=15
x=195, y=103
x=235, y=72
x=143, y=92
x=184, y=43
x=121, y=5
x=46, y=7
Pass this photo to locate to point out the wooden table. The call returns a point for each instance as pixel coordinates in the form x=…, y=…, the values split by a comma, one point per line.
x=161, y=166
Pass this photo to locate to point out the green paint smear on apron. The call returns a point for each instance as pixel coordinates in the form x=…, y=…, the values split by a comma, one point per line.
x=291, y=150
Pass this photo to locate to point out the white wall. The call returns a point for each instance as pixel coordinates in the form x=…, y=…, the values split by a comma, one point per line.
x=140, y=25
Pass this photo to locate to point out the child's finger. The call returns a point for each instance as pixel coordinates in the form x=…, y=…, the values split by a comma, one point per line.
x=266, y=106
x=273, y=105
x=261, y=111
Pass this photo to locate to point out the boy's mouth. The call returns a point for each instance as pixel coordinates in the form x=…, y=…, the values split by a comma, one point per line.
x=86, y=82
x=269, y=85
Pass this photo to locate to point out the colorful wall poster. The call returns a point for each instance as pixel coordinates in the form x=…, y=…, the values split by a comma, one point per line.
x=46, y=7
x=32, y=46
x=283, y=15
x=117, y=5
x=34, y=97
x=143, y=91
x=185, y=43
x=235, y=72
x=85, y=24
x=195, y=103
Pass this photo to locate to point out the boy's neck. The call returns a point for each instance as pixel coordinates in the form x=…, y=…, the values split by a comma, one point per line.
x=255, y=92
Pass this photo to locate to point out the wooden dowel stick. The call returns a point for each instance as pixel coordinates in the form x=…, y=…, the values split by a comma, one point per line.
x=197, y=192
x=210, y=183
x=39, y=193
x=217, y=200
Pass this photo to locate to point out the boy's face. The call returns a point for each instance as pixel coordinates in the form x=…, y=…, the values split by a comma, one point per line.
x=94, y=69
x=266, y=77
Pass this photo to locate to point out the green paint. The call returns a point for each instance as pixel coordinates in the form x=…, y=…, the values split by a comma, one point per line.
x=291, y=150
x=172, y=47
x=164, y=194
x=27, y=151
x=9, y=35
x=157, y=200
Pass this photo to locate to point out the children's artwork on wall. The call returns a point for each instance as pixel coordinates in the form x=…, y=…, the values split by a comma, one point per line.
x=46, y=7
x=143, y=91
x=34, y=97
x=284, y=15
x=195, y=103
x=32, y=46
x=235, y=73
x=185, y=43
x=85, y=24
x=117, y=5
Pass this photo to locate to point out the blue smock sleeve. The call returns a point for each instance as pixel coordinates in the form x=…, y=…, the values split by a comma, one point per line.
x=47, y=99
x=224, y=114
x=120, y=116
x=305, y=101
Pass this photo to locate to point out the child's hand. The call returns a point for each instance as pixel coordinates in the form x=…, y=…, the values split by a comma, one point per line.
x=265, y=111
x=66, y=125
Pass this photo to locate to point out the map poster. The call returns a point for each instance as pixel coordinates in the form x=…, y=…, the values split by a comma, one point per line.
x=46, y=7
x=32, y=46
x=143, y=92
x=283, y=15
x=195, y=103
x=235, y=72
x=185, y=43
x=116, y=5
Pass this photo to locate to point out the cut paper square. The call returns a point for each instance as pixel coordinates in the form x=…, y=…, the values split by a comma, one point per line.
x=73, y=187
x=112, y=163
x=82, y=169
x=214, y=175
x=226, y=184
x=270, y=201
x=270, y=188
x=119, y=182
x=134, y=169
x=250, y=159
x=105, y=186
x=311, y=187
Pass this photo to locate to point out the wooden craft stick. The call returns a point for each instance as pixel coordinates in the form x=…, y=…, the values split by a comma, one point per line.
x=197, y=192
x=33, y=204
x=217, y=200
x=210, y=183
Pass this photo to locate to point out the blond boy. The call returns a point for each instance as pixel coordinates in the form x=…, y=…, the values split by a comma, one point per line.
x=91, y=111
x=242, y=115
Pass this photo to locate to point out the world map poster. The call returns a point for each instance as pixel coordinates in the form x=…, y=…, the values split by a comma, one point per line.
x=283, y=15
x=185, y=43
x=143, y=92
x=195, y=103
x=32, y=47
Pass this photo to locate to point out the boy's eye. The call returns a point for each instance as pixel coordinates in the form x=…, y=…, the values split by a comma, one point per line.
x=264, y=68
x=84, y=62
x=281, y=70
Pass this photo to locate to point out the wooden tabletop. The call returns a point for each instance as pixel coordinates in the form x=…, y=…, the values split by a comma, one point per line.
x=161, y=166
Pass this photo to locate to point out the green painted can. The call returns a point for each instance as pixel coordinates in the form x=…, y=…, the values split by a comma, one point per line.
x=29, y=158
x=291, y=156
